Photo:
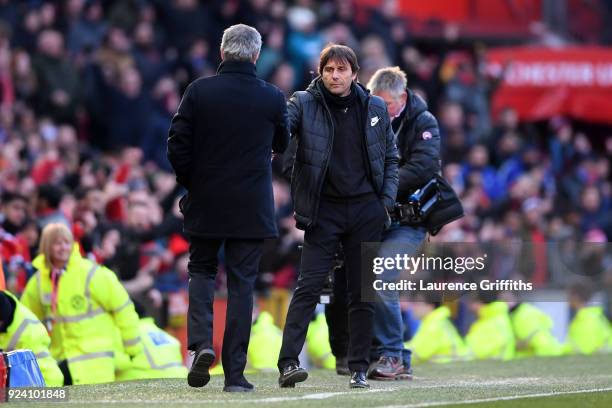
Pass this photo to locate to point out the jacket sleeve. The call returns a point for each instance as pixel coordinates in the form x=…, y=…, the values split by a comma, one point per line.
x=423, y=155
x=30, y=297
x=294, y=116
x=391, y=166
x=281, y=132
x=37, y=339
x=180, y=139
x=114, y=299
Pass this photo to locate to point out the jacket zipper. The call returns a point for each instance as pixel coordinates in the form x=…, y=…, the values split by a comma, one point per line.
x=330, y=145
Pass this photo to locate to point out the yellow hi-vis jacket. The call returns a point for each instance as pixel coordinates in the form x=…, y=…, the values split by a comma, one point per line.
x=589, y=332
x=27, y=332
x=91, y=302
x=491, y=336
x=437, y=339
x=160, y=357
x=265, y=344
x=317, y=343
x=532, y=332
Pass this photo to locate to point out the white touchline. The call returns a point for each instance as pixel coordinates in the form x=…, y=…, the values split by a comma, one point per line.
x=325, y=395
x=492, y=399
x=317, y=396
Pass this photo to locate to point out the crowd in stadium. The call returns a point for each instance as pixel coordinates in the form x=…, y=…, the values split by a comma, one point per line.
x=88, y=89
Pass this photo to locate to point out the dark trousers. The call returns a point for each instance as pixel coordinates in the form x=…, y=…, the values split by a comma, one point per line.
x=388, y=323
x=336, y=314
x=63, y=366
x=350, y=224
x=242, y=262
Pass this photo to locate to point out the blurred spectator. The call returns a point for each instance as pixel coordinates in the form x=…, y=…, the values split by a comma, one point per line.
x=129, y=112
x=589, y=331
x=58, y=84
x=87, y=28
x=148, y=57
x=14, y=212
x=47, y=206
x=304, y=42
x=271, y=55
x=185, y=21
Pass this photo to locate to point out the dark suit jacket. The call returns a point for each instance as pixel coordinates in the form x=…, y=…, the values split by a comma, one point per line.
x=220, y=145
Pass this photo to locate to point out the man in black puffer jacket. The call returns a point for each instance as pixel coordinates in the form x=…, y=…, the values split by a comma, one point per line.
x=344, y=176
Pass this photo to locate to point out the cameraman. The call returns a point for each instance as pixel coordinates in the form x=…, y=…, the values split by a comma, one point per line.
x=418, y=142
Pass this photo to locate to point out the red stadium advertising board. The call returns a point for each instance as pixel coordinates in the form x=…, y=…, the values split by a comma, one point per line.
x=542, y=82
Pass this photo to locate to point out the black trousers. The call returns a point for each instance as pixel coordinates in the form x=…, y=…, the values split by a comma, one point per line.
x=242, y=262
x=349, y=223
x=336, y=314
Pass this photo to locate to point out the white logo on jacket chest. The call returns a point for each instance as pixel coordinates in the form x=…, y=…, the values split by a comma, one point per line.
x=374, y=121
x=427, y=135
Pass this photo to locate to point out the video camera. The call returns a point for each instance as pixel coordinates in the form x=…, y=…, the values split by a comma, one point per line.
x=420, y=204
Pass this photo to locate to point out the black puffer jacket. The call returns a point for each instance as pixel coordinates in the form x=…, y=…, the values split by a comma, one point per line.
x=418, y=142
x=312, y=132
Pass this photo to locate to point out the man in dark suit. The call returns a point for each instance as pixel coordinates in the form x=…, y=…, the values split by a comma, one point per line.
x=220, y=145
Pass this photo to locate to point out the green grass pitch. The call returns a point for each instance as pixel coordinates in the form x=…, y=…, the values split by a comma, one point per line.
x=540, y=382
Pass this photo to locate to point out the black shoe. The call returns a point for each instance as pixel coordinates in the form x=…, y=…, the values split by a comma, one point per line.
x=290, y=375
x=358, y=380
x=342, y=366
x=198, y=374
x=240, y=386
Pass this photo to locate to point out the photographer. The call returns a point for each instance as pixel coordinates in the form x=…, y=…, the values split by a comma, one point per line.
x=418, y=142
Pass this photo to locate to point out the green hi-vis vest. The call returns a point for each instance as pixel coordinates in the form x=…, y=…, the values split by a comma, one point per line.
x=27, y=332
x=160, y=357
x=317, y=343
x=491, y=335
x=91, y=303
x=437, y=339
x=589, y=332
x=532, y=332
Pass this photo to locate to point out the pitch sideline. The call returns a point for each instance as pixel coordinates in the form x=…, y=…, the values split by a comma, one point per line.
x=325, y=395
x=494, y=399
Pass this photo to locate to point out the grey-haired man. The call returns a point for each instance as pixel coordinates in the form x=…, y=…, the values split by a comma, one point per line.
x=220, y=145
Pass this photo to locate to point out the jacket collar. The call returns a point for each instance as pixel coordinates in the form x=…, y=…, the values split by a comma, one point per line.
x=415, y=105
x=237, y=67
x=75, y=256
